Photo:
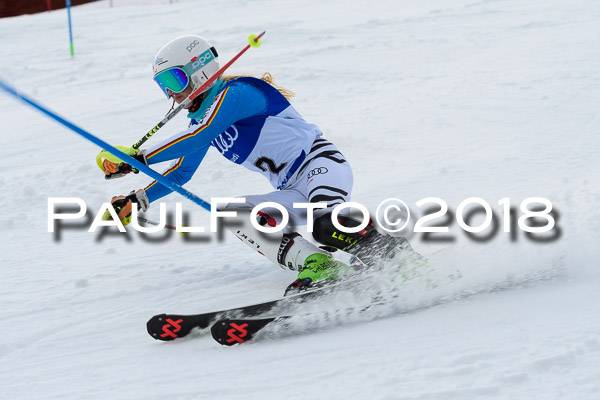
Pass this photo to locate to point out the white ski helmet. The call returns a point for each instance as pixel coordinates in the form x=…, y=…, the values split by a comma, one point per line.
x=186, y=60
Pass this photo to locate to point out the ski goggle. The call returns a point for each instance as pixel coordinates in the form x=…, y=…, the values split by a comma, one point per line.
x=175, y=79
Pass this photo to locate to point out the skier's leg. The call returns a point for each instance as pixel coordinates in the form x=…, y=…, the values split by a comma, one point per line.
x=287, y=249
x=328, y=178
x=371, y=247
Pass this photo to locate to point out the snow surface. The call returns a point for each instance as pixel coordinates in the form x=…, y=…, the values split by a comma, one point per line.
x=445, y=98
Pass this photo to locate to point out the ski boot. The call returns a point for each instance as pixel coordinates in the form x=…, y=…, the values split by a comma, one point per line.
x=396, y=257
x=375, y=250
x=371, y=247
x=319, y=270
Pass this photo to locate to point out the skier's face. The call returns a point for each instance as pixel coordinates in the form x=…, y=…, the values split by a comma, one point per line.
x=180, y=97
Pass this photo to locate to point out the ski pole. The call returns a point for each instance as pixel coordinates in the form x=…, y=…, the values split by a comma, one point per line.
x=147, y=221
x=253, y=41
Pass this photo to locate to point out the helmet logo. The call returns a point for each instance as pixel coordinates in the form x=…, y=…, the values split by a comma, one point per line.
x=202, y=60
x=192, y=45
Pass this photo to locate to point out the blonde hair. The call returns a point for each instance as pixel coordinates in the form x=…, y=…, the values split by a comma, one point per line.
x=267, y=77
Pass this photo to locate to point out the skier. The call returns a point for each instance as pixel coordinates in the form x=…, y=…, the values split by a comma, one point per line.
x=251, y=122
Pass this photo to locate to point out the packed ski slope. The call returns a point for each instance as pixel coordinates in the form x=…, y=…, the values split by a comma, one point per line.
x=444, y=98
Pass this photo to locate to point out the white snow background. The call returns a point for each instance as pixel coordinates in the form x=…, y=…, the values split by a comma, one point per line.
x=452, y=98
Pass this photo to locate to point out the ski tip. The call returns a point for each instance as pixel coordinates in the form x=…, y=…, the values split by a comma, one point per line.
x=164, y=327
x=229, y=332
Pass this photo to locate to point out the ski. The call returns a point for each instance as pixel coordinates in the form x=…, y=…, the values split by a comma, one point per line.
x=229, y=332
x=168, y=327
x=234, y=331
x=240, y=324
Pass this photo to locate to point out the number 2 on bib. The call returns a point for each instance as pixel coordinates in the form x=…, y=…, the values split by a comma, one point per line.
x=270, y=164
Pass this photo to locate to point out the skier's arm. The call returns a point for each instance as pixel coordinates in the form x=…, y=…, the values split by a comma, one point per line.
x=236, y=102
x=180, y=171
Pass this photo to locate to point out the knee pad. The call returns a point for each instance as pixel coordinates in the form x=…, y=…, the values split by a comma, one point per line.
x=326, y=233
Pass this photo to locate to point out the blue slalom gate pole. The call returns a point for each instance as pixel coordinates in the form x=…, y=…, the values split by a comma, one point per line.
x=111, y=149
x=70, y=29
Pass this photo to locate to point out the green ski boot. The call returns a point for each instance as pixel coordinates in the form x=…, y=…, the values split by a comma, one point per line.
x=319, y=270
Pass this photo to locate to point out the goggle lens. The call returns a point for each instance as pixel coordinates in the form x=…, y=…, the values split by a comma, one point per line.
x=175, y=79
